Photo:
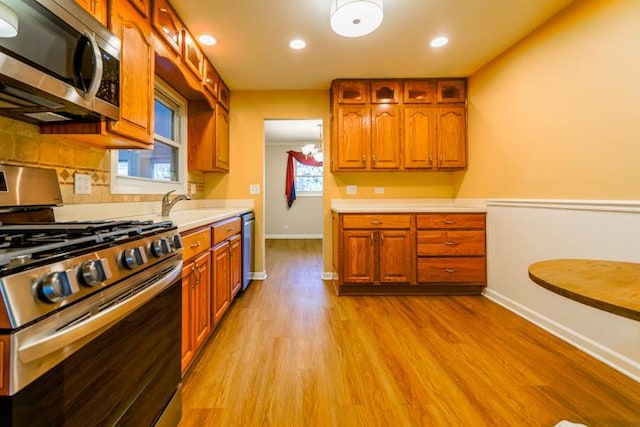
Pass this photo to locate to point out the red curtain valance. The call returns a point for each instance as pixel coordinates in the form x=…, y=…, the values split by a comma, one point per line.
x=290, y=185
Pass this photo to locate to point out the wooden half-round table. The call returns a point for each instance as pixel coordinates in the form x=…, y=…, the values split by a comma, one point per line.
x=612, y=286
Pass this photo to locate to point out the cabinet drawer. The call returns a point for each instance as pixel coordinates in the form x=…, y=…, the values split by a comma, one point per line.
x=451, y=243
x=451, y=221
x=452, y=270
x=195, y=243
x=372, y=221
x=224, y=229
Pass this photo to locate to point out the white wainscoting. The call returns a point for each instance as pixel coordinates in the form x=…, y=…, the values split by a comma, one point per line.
x=521, y=232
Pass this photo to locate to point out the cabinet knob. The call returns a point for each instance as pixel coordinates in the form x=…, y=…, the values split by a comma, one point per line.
x=364, y=159
x=195, y=245
x=452, y=243
x=376, y=222
x=373, y=159
x=449, y=221
x=430, y=159
x=451, y=270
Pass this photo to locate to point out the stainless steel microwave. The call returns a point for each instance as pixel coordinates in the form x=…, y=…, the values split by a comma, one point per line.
x=62, y=65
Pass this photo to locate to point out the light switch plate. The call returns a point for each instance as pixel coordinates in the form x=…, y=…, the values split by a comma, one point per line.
x=82, y=183
x=352, y=189
x=254, y=189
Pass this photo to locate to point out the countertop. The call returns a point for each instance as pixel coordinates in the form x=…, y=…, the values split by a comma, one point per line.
x=194, y=218
x=406, y=206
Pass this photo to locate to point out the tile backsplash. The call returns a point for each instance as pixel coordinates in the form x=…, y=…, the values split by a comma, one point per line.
x=22, y=144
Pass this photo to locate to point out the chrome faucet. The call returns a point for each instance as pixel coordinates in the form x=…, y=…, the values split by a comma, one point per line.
x=167, y=205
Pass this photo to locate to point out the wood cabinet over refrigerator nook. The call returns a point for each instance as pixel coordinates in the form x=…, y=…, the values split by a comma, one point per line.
x=414, y=124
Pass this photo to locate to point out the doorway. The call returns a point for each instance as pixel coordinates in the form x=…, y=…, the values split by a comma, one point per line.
x=304, y=219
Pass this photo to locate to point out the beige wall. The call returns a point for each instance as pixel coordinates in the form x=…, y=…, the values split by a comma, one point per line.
x=249, y=109
x=558, y=116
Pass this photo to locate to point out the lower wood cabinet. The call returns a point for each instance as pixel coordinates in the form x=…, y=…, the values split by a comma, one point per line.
x=211, y=277
x=409, y=253
x=196, y=306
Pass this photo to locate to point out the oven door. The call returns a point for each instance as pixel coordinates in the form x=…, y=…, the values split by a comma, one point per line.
x=124, y=372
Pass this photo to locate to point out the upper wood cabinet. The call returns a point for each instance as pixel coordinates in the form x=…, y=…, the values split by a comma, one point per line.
x=210, y=79
x=224, y=94
x=415, y=124
x=192, y=54
x=168, y=25
x=142, y=6
x=98, y=8
x=419, y=92
x=221, y=163
x=208, y=135
x=136, y=74
x=385, y=92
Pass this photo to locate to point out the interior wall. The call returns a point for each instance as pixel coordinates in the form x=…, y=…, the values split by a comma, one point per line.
x=249, y=109
x=304, y=218
x=556, y=116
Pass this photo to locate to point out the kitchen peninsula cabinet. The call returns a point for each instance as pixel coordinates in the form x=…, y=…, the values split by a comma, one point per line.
x=135, y=127
x=377, y=249
x=409, y=252
x=196, y=294
x=392, y=125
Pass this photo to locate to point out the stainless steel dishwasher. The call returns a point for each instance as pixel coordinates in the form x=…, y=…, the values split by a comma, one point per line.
x=248, y=230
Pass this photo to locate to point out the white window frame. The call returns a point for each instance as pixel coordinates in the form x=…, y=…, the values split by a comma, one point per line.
x=137, y=185
x=302, y=193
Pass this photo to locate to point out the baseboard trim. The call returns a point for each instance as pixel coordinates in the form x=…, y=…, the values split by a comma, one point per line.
x=258, y=275
x=293, y=236
x=618, y=362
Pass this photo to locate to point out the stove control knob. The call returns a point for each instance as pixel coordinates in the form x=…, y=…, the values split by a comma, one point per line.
x=55, y=286
x=176, y=243
x=134, y=257
x=95, y=272
x=161, y=247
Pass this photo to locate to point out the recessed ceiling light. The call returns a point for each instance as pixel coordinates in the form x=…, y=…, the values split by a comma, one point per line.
x=207, y=39
x=439, y=41
x=297, y=44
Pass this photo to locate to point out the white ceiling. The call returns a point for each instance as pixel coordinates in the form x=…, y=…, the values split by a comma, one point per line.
x=293, y=131
x=253, y=52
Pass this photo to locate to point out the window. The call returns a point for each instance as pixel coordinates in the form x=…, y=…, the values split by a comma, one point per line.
x=308, y=179
x=164, y=168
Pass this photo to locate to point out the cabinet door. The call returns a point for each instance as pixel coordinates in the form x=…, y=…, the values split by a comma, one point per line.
x=188, y=340
x=419, y=92
x=224, y=94
x=221, y=281
x=353, y=138
x=395, y=256
x=210, y=79
x=167, y=24
x=222, y=139
x=452, y=138
x=192, y=55
x=136, y=74
x=419, y=137
x=202, y=136
x=352, y=92
x=235, y=247
x=202, y=299
x=358, y=261
x=142, y=6
x=451, y=91
x=98, y=8
x=385, y=137
x=385, y=92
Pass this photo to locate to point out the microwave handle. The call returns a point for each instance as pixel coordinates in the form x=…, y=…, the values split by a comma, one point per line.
x=92, y=90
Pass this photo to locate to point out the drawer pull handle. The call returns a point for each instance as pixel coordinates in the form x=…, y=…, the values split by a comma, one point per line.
x=229, y=230
x=376, y=222
x=451, y=270
x=195, y=245
x=452, y=243
x=449, y=221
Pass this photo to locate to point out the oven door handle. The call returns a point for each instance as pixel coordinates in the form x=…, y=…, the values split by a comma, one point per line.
x=43, y=346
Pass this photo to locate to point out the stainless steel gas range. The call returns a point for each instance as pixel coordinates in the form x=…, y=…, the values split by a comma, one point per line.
x=89, y=315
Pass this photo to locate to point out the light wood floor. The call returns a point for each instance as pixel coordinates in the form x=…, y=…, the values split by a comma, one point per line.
x=291, y=353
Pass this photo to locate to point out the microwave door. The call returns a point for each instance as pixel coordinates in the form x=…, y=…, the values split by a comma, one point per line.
x=87, y=66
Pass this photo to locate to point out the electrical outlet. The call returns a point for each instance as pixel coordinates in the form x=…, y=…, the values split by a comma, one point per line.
x=379, y=190
x=254, y=189
x=352, y=189
x=194, y=189
x=82, y=183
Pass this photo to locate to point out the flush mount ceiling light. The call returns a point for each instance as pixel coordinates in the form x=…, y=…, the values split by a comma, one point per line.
x=439, y=41
x=8, y=22
x=356, y=18
x=207, y=39
x=297, y=44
